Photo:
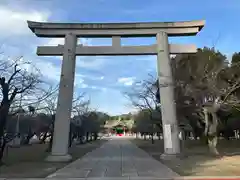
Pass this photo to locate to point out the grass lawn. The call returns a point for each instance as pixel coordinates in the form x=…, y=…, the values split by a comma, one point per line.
x=197, y=161
x=28, y=161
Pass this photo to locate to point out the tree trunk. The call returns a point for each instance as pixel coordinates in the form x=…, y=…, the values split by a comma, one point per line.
x=182, y=138
x=152, y=138
x=44, y=138
x=29, y=136
x=51, y=137
x=3, y=120
x=95, y=136
x=27, y=139
x=81, y=139
x=3, y=145
x=159, y=136
x=91, y=136
x=212, y=144
x=211, y=124
x=87, y=135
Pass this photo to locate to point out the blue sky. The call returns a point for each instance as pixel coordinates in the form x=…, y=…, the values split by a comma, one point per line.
x=104, y=79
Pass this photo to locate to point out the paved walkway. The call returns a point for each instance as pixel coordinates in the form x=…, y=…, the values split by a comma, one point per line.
x=116, y=159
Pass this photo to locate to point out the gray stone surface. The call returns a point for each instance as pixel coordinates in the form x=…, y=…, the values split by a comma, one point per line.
x=184, y=28
x=116, y=159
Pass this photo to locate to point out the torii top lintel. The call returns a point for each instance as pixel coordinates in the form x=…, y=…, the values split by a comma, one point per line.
x=145, y=29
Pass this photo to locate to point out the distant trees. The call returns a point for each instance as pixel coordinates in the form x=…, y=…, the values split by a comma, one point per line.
x=206, y=86
x=84, y=126
x=28, y=100
x=145, y=124
x=14, y=80
x=121, y=117
x=235, y=58
x=207, y=92
x=143, y=96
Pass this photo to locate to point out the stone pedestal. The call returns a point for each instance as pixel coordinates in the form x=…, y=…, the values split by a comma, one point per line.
x=60, y=158
x=168, y=106
x=171, y=156
x=64, y=105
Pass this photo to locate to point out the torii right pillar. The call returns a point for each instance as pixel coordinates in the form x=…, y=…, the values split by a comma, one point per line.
x=168, y=105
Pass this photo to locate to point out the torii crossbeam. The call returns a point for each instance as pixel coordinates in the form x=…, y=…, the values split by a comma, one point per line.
x=69, y=51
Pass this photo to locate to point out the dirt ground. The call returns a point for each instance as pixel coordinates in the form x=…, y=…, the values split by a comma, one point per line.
x=196, y=160
x=28, y=161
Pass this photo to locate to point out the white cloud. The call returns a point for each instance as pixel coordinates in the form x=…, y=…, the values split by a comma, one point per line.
x=19, y=40
x=94, y=77
x=55, y=42
x=83, y=85
x=127, y=81
x=84, y=41
x=47, y=69
x=104, y=89
x=14, y=22
x=138, y=83
x=90, y=62
x=90, y=77
x=60, y=41
x=78, y=81
x=52, y=72
x=99, y=88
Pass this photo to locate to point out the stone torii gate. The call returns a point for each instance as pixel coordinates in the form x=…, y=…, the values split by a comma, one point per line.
x=69, y=51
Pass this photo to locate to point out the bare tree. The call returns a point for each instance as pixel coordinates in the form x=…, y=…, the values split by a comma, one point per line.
x=14, y=80
x=205, y=84
x=144, y=97
x=49, y=105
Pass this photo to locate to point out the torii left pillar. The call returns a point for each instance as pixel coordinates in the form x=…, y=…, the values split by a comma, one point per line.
x=59, y=151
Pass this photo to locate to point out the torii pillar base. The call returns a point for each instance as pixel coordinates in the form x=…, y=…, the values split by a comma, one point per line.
x=59, y=158
x=165, y=156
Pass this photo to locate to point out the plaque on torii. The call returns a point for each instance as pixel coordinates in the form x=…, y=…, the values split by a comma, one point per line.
x=69, y=51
